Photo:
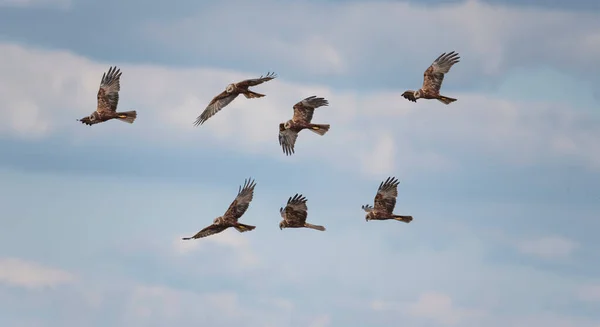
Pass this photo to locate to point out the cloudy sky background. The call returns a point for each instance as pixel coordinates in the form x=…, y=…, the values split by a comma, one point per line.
x=503, y=184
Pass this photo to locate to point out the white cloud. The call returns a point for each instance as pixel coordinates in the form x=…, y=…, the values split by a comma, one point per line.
x=230, y=239
x=549, y=247
x=31, y=275
x=43, y=92
x=434, y=306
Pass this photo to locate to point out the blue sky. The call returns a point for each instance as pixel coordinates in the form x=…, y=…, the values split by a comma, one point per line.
x=503, y=185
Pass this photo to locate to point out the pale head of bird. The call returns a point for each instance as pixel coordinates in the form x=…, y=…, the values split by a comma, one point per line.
x=230, y=88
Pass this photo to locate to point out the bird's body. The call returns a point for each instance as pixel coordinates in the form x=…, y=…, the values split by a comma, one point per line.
x=302, y=119
x=433, y=78
x=385, y=202
x=231, y=92
x=294, y=214
x=108, y=100
x=235, y=211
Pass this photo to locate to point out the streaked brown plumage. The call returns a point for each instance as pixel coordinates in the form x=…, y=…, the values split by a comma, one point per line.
x=231, y=92
x=295, y=213
x=108, y=99
x=433, y=78
x=230, y=219
x=385, y=202
x=302, y=119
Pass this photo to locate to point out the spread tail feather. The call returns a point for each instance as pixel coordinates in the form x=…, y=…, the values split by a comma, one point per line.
x=250, y=94
x=445, y=100
x=320, y=129
x=244, y=228
x=127, y=116
x=406, y=219
x=317, y=227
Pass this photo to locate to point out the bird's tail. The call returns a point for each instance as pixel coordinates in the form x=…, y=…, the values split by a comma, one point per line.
x=250, y=95
x=320, y=129
x=406, y=219
x=317, y=227
x=445, y=100
x=127, y=116
x=244, y=228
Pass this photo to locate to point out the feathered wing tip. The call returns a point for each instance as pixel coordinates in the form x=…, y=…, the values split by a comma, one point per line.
x=316, y=227
x=314, y=102
x=248, y=184
x=270, y=75
x=450, y=57
x=298, y=198
x=186, y=238
x=390, y=182
x=367, y=208
x=409, y=95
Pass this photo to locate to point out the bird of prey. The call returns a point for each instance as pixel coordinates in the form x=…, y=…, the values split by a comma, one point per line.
x=385, y=201
x=234, y=212
x=303, y=114
x=108, y=99
x=433, y=78
x=231, y=92
x=294, y=214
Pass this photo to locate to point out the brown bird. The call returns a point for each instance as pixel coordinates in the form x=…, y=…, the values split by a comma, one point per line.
x=294, y=214
x=234, y=212
x=433, y=78
x=303, y=114
x=385, y=201
x=108, y=99
x=231, y=92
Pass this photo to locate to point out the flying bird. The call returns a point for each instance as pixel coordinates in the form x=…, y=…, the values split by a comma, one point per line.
x=234, y=212
x=433, y=78
x=108, y=99
x=385, y=201
x=294, y=214
x=303, y=114
x=231, y=92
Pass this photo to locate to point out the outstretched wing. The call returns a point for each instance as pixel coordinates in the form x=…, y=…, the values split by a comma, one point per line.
x=256, y=81
x=434, y=75
x=304, y=110
x=216, y=104
x=385, y=200
x=207, y=231
x=295, y=211
x=287, y=140
x=242, y=200
x=108, y=94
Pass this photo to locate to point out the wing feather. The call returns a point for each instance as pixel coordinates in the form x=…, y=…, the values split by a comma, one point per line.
x=210, y=230
x=108, y=94
x=287, y=140
x=242, y=201
x=216, y=104
x=385, y=200
x=256, y=81
x=295, y=212
x=434, y=74
x=304, y=110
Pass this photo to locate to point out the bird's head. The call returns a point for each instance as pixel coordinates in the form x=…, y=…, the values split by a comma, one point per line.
x=230, y=88
x=89, y=120
x=217, y=220
x=417, y=94
x=282, y=224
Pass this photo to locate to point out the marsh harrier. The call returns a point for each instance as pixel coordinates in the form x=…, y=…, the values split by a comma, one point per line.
x=231, y=92
x=303, y=114
x=433, y=78
x=294, y=214
x=234, y=212
x=108, y=99
x=385, y=202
